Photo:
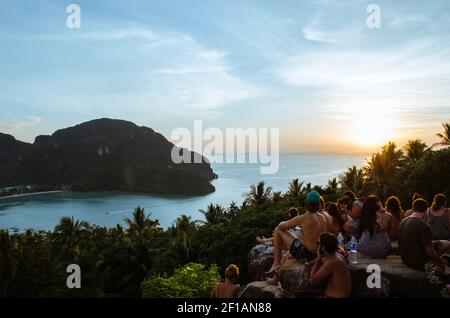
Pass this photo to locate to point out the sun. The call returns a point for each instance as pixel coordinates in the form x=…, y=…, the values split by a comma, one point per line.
x=371, y=131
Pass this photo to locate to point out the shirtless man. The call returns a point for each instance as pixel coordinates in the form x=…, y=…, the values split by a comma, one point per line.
x=229, y=289
x=312, y=225
x=332, y=267
x=324, y=213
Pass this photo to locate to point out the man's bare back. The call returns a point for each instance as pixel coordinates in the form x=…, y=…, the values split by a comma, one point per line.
x=339, y=282
x=331, y=267
x=225, y=290
x=312, y=224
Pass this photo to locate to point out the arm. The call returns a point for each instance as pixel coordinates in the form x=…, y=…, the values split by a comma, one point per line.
x=214, y=293
x=349, y=227
x=298, y=220
x=427, y=243
x=319, y=273
x=388, y=222
x=390, y=228
x=356, y=210
x=431, y=252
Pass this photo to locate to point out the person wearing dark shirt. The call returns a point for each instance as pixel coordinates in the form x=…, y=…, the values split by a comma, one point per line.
x=415, y=240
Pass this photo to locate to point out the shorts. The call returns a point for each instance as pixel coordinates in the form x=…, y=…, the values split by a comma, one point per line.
x=299, y=251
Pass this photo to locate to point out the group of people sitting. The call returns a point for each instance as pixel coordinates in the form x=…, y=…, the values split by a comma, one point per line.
x=423, y=235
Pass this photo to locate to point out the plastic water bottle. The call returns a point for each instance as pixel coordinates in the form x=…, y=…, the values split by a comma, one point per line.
x=354, y=250
x=341, y=240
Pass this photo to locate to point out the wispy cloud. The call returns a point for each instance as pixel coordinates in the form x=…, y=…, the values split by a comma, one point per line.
x=392, y=86
x=18, y=125
x=202, y=78
x=312, y=34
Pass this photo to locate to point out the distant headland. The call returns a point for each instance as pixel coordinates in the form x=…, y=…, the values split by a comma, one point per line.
x=101, y=155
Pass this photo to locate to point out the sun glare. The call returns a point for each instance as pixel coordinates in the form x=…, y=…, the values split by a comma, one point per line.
x=373, y=131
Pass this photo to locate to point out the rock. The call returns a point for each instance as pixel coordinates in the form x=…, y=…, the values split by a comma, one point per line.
x=261, y=289
x=396, y=280
x=260, y=259
x=294, y=277
x=394, y=248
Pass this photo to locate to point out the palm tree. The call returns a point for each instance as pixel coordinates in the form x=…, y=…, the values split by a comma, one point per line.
x=141, y=230
x=69, y=234
x=258, y=194
x=277, y=196
x=415, y=150
x=295, y=190
x=307, y=188
x=139, y=222
x=70, y=228
x=382, y=169
x=331, y=189
x=353, y=179
x=185, y=226
x=445, y=136
x=8, y=262
x=214, y=214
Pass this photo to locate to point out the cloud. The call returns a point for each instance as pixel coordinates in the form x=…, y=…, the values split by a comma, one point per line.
x=167, y=71
x=319, y=36
x=358, y=69
x=201, y=79
x=395, y=87
x=20, y=124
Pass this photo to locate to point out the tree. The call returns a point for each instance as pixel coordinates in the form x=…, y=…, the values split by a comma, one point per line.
x=295, y=190
x=445, y=136
x=139, y=223
x=429, y=176
x=277, y=196
x=184, y=227
x=193, y=280
x=8, y=262
x=258, y=194
x=143, y=233
x=214, y=214
x=331, y=189
x=415, y=150
x=68, y=234
x=353, y=179
x=382, y=170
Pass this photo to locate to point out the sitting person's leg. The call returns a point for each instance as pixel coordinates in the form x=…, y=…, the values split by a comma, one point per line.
x=442, y=246
x=286, y=256
x=281, y=238
x=263, y=240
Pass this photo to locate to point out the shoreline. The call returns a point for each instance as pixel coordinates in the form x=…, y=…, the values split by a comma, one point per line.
x=30, y=194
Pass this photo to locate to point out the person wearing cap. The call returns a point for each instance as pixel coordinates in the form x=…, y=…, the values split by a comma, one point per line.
x=312, y=225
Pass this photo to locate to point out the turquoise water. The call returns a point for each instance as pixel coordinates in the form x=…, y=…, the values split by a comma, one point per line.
x=43, y=211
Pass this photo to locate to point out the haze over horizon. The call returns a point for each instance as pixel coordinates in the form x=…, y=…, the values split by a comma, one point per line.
x=311, y=68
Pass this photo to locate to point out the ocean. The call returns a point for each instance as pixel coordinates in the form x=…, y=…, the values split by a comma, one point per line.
x=43, y=211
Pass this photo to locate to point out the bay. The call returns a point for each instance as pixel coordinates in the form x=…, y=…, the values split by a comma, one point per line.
x=43, y=211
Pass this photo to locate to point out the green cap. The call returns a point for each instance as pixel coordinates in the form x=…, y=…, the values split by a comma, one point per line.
x=313, y=197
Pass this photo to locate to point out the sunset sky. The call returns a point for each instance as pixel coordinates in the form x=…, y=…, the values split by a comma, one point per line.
x=311, y=68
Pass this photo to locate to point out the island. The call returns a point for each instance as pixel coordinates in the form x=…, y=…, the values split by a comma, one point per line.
x=100, y=155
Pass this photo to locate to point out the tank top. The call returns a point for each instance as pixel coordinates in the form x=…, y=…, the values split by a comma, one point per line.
x=439, y=226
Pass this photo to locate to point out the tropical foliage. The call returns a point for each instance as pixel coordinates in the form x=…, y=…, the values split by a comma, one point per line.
x=139, y=258
x=190, y=281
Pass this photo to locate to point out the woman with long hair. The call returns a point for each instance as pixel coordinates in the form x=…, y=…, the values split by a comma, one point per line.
x=394, y=207
x=438, y=218
x=338, y=221
x=374, y=241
